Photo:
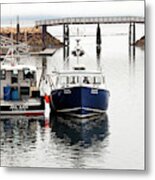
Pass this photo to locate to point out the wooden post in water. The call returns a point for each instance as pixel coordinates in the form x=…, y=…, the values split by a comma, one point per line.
x=132, y=39
x=132, y=34
x=66, y=56
x=129, y=35
x=98, y=35
x=66, y=34
x=65, y=52
x=17, y=30
x=66, y=45
x=132, y=53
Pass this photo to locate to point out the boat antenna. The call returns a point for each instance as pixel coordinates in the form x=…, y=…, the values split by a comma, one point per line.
x=77, y=50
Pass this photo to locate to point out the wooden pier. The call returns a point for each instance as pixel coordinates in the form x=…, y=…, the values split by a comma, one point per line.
x=131, y=20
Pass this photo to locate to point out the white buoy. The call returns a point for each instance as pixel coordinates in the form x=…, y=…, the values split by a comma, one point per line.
x=45, y=91
x=47, y=107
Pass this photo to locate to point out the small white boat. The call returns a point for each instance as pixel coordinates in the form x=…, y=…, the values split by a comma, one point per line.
x=19, y=92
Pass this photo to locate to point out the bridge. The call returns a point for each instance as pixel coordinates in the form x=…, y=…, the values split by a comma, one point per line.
x=131, y=20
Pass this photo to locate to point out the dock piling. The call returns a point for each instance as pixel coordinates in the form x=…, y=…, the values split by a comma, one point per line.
x=98, y=35
x=18, y=30
x=132, y=34
x=44, y=31
x=66, y=34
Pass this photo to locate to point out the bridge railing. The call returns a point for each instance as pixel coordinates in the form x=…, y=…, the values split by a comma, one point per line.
x=91, y=20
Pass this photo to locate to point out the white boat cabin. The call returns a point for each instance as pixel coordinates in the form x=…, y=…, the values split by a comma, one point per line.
x=18, y=82
x=79, y=77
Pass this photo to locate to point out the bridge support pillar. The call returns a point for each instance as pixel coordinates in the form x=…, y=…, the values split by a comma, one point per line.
x=18, y=30
x=66, y=34
x=44, y=31
x=98, y=35
x=132, y=34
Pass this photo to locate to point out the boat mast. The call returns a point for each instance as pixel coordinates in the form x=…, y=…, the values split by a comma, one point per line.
x=78, y=50
x=77, y=46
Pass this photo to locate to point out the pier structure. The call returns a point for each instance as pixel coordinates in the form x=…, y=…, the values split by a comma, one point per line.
x=132, y=33
x=98, y=35
x=131, y=20
x=66, y=54
x=66, y=34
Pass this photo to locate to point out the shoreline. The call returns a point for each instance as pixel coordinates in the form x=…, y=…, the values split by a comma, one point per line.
x=140, y=42
x=32, y=36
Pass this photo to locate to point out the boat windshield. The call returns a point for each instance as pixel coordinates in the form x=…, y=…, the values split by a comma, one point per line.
x=28, y=74
x=2, y=74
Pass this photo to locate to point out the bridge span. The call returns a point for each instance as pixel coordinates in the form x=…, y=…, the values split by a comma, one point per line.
x=131, y=20
x=91, y=20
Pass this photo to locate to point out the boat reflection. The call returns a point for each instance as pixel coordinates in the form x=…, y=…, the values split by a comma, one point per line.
x=18, y=132
x=81, y=131
x=23, y=133
x=98, y=56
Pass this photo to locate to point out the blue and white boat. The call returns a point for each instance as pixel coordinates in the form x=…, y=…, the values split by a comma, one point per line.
x=79, y=92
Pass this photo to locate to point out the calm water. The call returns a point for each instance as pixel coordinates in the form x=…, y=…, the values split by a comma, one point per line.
x=113, y=140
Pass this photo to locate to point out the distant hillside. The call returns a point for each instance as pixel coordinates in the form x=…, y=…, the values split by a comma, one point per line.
x=32, y=36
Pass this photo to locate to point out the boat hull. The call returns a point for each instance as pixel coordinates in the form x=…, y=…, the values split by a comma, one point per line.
x=20, y=108
x=80, y=101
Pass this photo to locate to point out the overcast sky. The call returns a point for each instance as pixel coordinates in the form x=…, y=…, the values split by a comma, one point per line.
x=53, y=10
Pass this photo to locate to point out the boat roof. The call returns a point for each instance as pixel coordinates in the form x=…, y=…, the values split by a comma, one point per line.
x=9, y=67
x=79, y=72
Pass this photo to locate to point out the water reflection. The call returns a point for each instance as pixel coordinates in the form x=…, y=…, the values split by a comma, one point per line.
x=22, y=131
x=98, y=56
x=66, y=51
x=18, y=132
x=132, y=58
x=132, y=53
x=83, y=132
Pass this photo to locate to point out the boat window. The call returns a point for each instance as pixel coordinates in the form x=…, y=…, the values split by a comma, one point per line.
x=14, y=76
x=86, y=80
x=28, y=74
x=97, y=80
x=72, y=80
x=78, y=79
x=103, y=79
x=2, y=74
x=63, y=80
x=67, y=78
x=24, y=91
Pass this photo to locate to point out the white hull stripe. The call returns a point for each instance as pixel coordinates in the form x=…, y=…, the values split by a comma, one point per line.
x=22, y=112
x=20, y=104
x=16, y=117
x=81, y=108
x=83, y=115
